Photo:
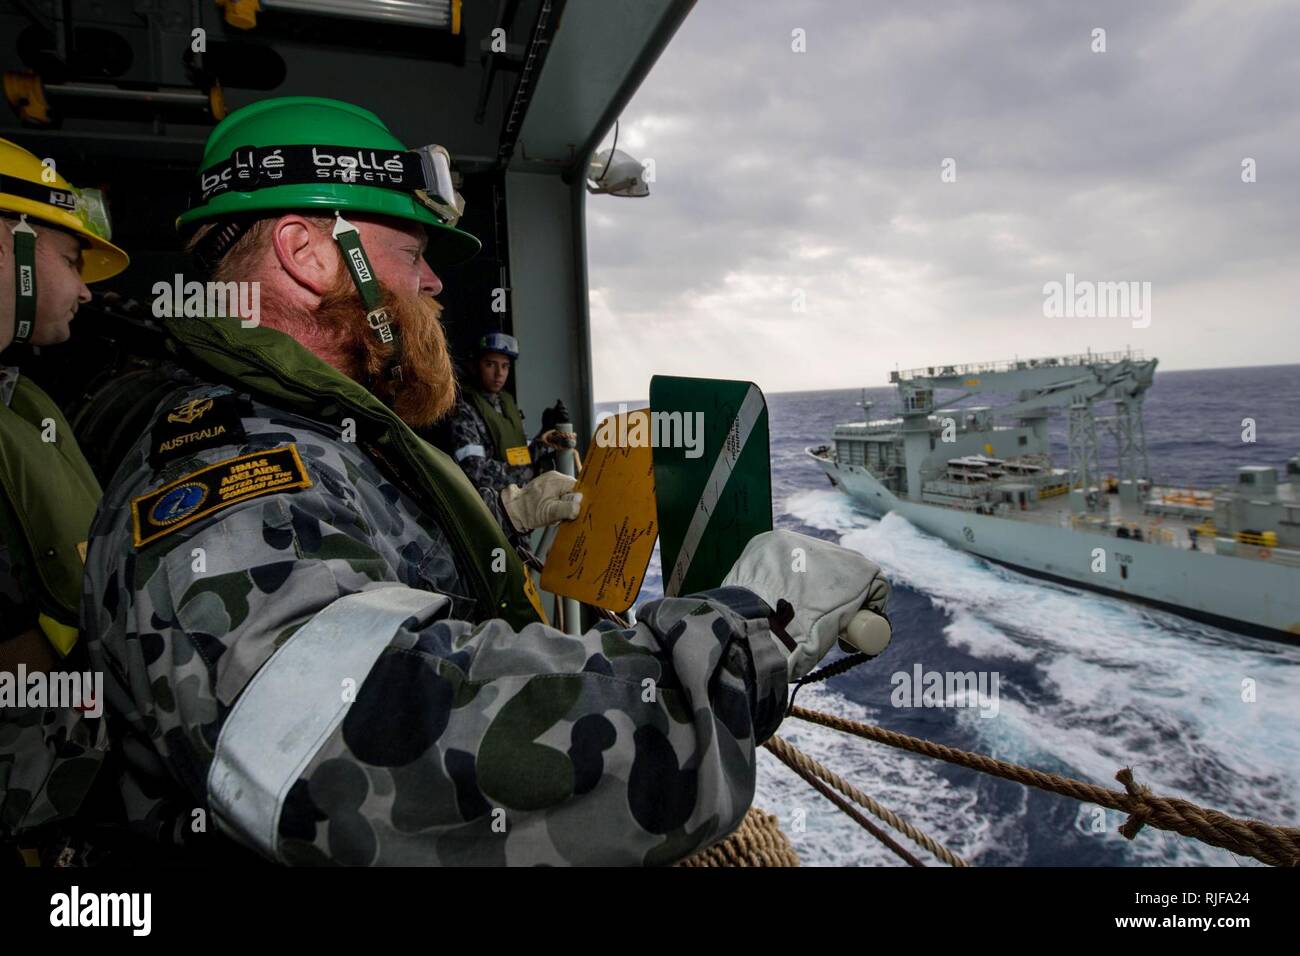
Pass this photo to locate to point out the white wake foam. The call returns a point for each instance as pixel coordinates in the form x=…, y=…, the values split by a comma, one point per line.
x=827, y=510
x=822, y=835
x=1115, y=685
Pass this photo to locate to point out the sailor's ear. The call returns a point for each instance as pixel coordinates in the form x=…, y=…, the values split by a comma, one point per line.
x=306, y=253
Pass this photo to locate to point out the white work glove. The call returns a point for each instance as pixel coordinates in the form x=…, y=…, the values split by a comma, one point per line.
x=838, y=595
x=547, y=499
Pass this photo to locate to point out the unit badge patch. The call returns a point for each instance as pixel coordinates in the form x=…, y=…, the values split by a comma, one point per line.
x=216, y=486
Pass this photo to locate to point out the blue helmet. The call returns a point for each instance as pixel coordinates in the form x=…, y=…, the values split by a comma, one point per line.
x=499, y=342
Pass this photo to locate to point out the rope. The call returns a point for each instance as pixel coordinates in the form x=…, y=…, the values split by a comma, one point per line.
x=1274, y=845
x=811, y=779
x=758, y=841
x=795, y=759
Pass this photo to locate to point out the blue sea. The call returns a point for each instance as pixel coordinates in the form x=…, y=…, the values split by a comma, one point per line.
x=1086, y=684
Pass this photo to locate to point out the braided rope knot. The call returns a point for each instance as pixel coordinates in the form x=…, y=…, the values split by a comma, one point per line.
x=1140, y=798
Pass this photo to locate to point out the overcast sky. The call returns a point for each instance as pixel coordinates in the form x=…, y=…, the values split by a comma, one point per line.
x=820, y=171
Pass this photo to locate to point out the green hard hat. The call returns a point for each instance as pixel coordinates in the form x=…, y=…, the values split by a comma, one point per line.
x=309, y=121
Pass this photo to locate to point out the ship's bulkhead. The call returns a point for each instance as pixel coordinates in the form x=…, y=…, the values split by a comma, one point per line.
x=122, y=96
x=520, y=93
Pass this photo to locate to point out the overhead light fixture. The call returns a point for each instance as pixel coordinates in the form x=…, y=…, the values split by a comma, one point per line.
x=614, y=172
x=441, y=14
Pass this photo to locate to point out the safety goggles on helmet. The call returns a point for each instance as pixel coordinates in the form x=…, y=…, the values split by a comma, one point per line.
x=424, y=173
x=507, y=345
x=92, y=210
x=87, y=205
x=81, y=213
x=442, y=200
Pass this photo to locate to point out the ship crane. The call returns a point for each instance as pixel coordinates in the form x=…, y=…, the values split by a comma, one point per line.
x=1073, y=382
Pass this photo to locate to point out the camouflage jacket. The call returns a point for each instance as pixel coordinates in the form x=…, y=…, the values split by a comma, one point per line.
x=457, y=740
x=473, y=449
x=48, y=755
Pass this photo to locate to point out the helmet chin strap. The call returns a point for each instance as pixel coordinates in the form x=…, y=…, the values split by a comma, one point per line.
x=24, y=281
x=363, y=277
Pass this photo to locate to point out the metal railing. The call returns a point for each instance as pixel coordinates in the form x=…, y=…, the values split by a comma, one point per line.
x=879, y=426
x=1017, y=365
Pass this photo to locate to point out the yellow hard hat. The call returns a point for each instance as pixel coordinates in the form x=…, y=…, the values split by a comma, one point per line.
x=28, y=186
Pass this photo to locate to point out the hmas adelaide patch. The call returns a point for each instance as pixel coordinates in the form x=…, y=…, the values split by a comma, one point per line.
x=197, y=424
x=214, y=487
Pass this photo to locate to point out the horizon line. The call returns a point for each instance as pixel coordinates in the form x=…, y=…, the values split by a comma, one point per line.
x=844, y=388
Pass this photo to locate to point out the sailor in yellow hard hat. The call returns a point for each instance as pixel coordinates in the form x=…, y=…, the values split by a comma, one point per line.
x=54, y=239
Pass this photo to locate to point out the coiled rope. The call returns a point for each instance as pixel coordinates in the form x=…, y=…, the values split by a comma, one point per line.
x=758, y=841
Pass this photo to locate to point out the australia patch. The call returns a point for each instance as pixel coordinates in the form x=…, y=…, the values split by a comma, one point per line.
x=197, y=424
x=214, y=487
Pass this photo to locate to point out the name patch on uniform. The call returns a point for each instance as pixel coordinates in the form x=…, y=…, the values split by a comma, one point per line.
x=197, y=424
x=518, y=455
x=217, y=486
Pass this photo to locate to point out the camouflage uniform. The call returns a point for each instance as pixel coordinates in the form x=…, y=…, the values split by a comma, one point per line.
x=485, y=467
x=468, y=742
x=48, y=756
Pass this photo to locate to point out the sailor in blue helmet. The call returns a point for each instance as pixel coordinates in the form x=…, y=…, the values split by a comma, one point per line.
x=489, y=443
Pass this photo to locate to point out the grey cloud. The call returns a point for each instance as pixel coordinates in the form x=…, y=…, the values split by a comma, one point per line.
x=1122, y=165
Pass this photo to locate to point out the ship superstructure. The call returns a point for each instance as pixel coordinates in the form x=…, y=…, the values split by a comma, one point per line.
x=982, y=477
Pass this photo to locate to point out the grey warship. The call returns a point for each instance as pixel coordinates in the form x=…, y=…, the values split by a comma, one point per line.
x=981, y=478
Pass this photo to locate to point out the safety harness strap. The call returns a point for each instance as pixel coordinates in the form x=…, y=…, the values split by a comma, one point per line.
x=24, y=281
x=363, y=277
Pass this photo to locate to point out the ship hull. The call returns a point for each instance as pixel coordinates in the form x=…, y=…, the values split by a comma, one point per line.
x=1240, y=594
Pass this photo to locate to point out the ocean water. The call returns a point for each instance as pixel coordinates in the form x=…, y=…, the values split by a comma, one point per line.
x=1086, y=684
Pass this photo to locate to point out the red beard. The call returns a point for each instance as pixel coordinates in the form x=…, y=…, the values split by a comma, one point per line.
x=427, y=388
